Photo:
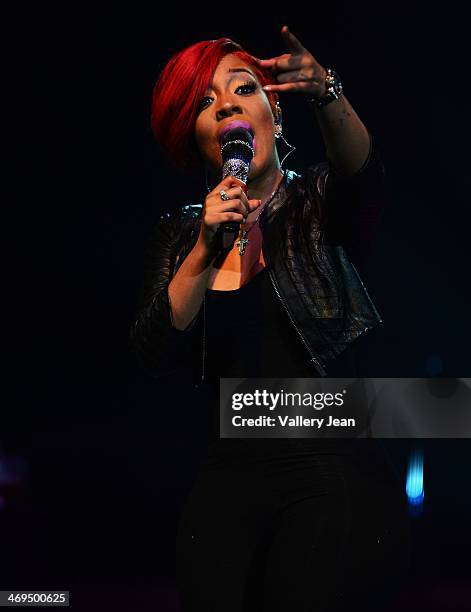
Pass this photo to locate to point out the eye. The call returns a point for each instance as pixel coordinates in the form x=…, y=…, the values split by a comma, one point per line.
x=246, y=88
x=249, y=87
x=204, y=103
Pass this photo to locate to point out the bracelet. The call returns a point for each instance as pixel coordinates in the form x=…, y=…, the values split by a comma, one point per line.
x=334, y=90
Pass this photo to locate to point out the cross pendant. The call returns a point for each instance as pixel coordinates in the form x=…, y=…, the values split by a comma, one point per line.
x=242, y=242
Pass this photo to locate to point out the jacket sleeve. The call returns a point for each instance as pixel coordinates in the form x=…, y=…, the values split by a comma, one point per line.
x=159, y=346
x=354, y=205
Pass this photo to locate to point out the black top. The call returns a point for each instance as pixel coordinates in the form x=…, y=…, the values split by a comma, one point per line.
x=249, y=334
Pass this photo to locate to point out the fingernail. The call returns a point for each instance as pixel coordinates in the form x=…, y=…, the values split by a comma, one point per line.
x=266, y=87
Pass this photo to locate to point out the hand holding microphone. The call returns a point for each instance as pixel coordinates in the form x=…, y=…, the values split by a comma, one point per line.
x=218, y=212
x=227, y=205
x=237, y=152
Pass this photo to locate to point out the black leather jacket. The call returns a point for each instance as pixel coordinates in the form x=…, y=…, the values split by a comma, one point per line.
x=316, y=261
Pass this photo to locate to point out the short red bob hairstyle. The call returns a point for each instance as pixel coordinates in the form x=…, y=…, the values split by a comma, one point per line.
x=181, y=86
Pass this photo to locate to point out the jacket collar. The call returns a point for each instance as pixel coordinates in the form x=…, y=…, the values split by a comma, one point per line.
x=279, y=199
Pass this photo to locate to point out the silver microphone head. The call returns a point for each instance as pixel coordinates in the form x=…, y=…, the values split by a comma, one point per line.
x=237, y=153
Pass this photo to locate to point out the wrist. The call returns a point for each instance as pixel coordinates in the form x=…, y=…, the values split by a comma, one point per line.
x=332, y=90
x=202, y=253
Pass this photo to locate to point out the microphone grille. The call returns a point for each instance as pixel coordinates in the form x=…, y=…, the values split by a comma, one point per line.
x=237, y=153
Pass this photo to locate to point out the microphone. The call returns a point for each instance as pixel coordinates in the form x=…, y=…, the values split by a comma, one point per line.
x=237, y=153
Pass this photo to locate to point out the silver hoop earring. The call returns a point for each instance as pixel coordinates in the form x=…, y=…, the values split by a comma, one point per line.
x=279, y=133
x=291, y=147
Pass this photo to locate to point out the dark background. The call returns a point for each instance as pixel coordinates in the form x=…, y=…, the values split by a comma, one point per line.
x=109, y=453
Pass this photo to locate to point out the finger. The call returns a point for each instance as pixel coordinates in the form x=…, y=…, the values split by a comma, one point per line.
x=303, y=86
x=269, y=63
x=254, y=204
x=227, y=183
x=230, y=216
x=293, y=76
x=293, y=44
x=234, y=206
x=249, y=204
x=230, y=182
x=235, y=181
x=266, y=63
x=244, y=207
x=282, y=62
x=234, y=193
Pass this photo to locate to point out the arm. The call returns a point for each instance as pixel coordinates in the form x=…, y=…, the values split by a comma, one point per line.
x=170, y=303
x=352, y=182
x=161, y=344
x=355, y=181
x=346, y=139
x=188, y=286
x=354, y=204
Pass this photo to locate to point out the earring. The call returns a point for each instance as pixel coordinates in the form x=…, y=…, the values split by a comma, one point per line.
x=279, y=133
x=292, y=149
x=278, y=126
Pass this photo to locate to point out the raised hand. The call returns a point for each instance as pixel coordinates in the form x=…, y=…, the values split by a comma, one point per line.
x=297, y=70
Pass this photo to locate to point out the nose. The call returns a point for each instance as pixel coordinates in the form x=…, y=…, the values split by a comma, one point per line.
x=227, y=110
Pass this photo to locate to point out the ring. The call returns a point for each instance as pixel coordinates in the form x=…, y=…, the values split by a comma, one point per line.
x=224, y=195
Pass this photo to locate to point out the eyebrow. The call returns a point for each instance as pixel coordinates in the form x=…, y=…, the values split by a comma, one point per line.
x=234, y=70
x=240, y=70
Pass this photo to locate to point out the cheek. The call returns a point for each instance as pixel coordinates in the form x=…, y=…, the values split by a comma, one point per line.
x=266, y=121
x=204, y=143
x=265, y=137
x=200, y=137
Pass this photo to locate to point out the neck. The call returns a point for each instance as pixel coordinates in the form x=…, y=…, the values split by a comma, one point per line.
x=262, y=187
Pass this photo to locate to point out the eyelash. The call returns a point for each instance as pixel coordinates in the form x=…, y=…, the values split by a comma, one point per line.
x=249, y=84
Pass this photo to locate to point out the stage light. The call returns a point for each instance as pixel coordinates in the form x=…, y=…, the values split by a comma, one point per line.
x=415, y=481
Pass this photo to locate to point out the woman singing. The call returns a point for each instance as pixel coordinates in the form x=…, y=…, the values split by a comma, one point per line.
x=270, y=524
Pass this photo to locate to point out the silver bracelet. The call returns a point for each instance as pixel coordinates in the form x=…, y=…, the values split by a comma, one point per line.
x=333, y=90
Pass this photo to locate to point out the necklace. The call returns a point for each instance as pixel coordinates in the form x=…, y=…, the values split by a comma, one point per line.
x=243, y=240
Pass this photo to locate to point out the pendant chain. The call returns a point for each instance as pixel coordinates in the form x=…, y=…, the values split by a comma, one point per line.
x=243, y=240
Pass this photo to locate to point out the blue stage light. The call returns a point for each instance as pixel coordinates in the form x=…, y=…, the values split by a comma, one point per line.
x=415, y=478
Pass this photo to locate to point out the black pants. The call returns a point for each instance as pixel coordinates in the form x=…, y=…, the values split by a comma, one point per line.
x=272, y=530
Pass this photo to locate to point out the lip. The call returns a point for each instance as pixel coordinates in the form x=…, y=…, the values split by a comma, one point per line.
x=235, y=124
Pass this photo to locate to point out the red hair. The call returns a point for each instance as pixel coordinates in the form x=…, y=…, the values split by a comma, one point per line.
x=181, y=86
